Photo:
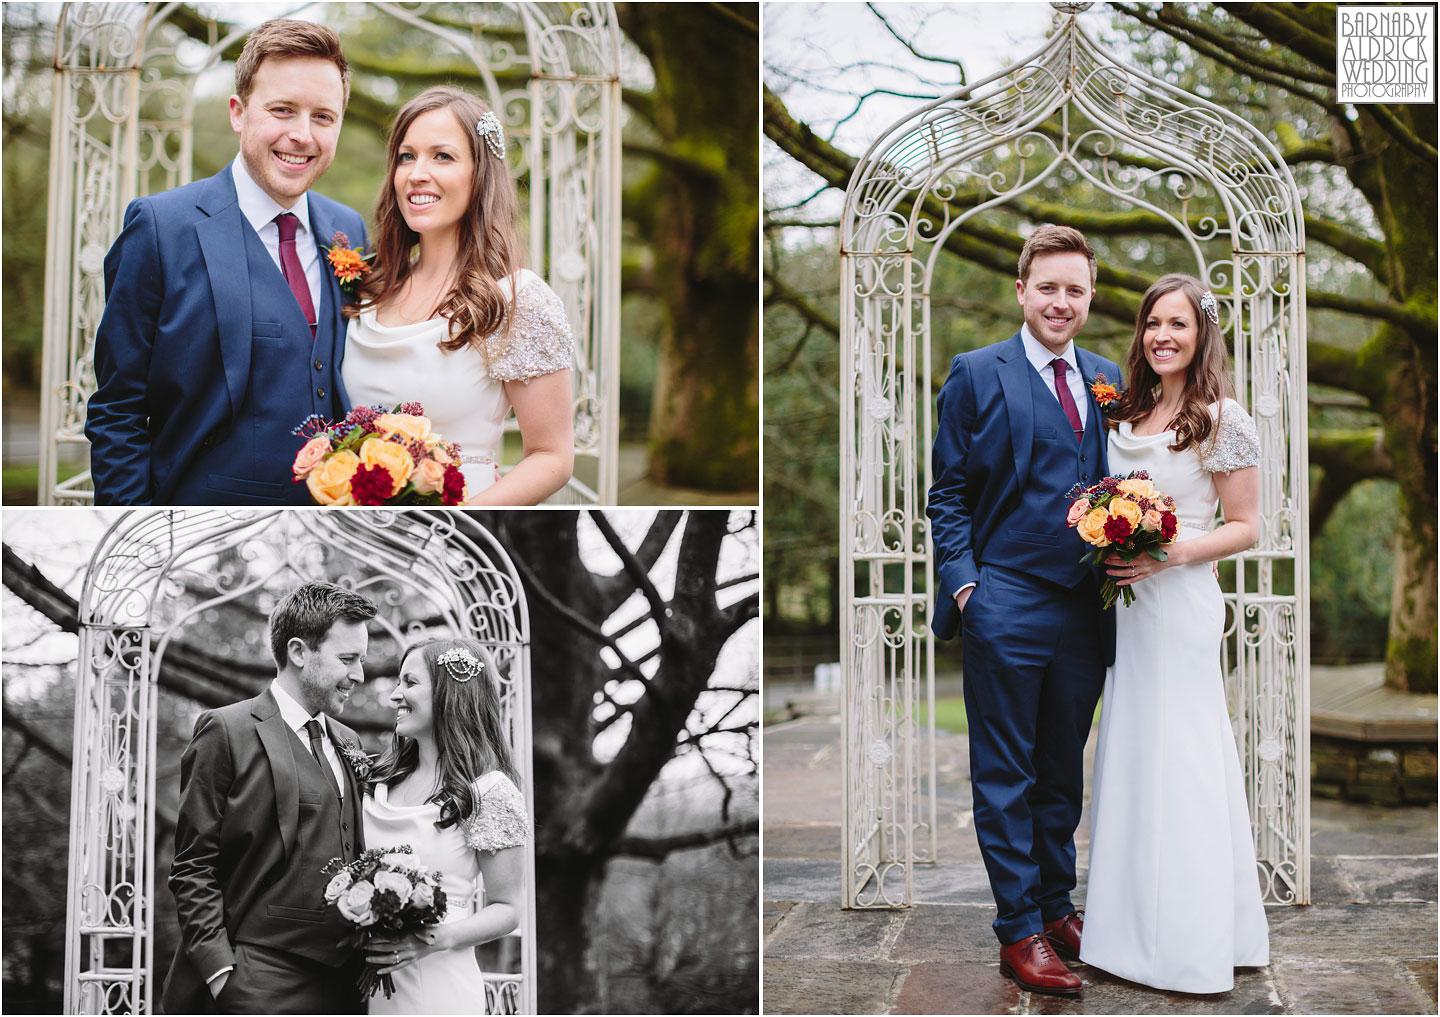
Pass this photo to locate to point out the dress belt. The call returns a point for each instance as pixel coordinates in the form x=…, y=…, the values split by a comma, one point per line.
x=487, y=457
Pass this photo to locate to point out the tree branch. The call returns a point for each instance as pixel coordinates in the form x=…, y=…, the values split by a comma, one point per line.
x=659, y=848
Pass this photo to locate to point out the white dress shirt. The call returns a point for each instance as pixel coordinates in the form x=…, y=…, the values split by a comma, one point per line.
x=296, y=717
x=1040, y=358
x=260, y=210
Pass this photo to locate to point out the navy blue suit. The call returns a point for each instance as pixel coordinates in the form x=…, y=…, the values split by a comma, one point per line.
x=1035, y=641
x=203, y=358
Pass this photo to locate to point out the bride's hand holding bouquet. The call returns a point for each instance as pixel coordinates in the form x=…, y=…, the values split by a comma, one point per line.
x=1123, y=518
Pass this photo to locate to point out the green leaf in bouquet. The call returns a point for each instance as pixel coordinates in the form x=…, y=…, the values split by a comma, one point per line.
x=1157, y=553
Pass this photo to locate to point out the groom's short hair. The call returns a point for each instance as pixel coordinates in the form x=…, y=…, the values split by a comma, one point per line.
x=286, y=37
x=308, y=612
x=1052, y=239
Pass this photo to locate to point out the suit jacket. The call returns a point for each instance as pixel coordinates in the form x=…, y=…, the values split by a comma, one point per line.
x=981, y=458
x=237, y=850
x=203, y=361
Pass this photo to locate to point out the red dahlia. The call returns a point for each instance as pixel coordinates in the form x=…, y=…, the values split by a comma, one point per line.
x=371, y=485
x=454, y=490
x=1169, y=525
x=1117, y=528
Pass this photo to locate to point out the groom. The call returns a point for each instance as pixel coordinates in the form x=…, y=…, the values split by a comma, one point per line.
x=222, y=327
x=268, y=794
x=1018, y=427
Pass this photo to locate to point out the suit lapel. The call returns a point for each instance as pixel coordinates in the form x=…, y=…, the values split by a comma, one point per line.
x=1015, y=383
x=222, y=242
x=275, y=737
x=354, y=792
x=332, y=298
x=1090, y=366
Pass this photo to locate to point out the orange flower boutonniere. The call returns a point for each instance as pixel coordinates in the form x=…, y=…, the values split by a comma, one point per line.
x=348, y=263
x=1106, y=394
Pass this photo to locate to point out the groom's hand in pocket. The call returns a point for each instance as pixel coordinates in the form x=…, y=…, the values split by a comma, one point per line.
x=217, y=984
x=963, y=596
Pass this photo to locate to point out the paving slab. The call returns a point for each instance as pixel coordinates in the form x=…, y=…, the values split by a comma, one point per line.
x=1393, y=880
x=797, y=879
x=956, y=988
x=1367, y=944
x=809, y=840
x=827, y=932
x=1347, y=931
x=771, y=911
x=826, y=986
x=1423, y=971
x=1254, y=993
x=1338, y=986
x=937, y=934
x=956, y=883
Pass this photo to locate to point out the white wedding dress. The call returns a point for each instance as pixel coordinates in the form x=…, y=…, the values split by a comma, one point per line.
x=448, y=981
x=462, y=393
x=1173, y=898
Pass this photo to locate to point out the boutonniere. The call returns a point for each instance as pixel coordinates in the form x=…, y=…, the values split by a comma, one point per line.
x=1106, y=394
x=346, y=262
x=358, y=760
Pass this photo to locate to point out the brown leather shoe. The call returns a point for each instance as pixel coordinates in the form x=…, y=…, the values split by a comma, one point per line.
x=1064, y=934
x=1032, y=965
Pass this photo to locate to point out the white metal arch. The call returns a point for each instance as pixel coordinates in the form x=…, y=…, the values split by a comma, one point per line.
x=1068, y=112
x=153, y=574
x=122, y=127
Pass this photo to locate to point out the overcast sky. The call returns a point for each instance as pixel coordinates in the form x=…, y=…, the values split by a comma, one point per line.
x=820, y=56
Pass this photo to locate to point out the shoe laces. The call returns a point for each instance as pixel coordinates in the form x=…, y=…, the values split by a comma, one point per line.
x=1044, y=950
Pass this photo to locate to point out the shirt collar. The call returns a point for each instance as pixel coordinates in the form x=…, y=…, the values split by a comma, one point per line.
x=293, y=713
x=258, y=207
x=1039, y=356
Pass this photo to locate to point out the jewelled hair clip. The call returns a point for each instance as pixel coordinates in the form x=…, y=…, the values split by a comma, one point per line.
x=488, y=127
x=461, y=664
x=1211, y=308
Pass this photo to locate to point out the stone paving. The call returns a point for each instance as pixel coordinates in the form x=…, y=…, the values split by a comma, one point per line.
x=1367, y=943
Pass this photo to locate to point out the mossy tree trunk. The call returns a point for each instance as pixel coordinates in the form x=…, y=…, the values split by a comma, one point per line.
x=705, y=193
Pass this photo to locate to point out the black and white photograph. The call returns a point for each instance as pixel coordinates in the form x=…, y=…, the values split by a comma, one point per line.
x=435, y=761
x=1099, y=506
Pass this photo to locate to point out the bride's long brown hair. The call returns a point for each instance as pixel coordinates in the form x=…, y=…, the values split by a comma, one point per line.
x=467, y=724
x=1207, y=380
x=489, y=249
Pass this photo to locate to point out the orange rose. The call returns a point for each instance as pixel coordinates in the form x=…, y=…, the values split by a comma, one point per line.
x=429, y=476
x=329, y=483
x=1092, y=527
x=405, y=424
x=1137, y=488
x=1124, y=508
x=1078, y=508
x=1150, y=520
x=393, y=457
x=311, y=456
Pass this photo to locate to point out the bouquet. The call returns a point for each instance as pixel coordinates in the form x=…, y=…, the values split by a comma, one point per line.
x=377, y=458
x=1124, y=516
x=379, y=892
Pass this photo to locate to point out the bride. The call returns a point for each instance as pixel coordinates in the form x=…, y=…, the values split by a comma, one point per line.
x=461, y=328
x=1174, y=894
x=446, y=786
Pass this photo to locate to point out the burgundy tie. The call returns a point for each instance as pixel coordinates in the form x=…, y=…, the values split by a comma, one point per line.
x=1067, y=401
x=290, y=267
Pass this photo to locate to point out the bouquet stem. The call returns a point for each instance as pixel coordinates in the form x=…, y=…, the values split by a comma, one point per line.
x=372, y=981
x=1109, y=592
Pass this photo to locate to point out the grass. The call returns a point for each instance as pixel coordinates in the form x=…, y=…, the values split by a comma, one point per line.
x=950, y=715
